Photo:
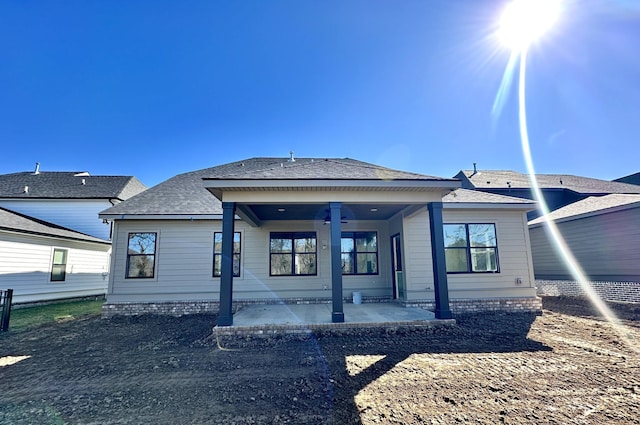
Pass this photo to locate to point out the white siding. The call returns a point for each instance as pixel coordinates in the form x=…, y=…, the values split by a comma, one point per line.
x=25, y=267
x=514, y=257
x=77, y=214
x=184, y=263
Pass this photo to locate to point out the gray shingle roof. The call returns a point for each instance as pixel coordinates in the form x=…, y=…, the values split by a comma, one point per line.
x=321, y=168
x=185, y=194
x=475, y=196
x=13, y=221
x=501, y=179
x=68, y=185
x=589, y=206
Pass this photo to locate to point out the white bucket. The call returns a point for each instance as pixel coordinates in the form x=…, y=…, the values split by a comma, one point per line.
x=357, y=297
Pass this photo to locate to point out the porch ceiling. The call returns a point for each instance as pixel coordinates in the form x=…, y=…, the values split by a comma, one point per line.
x=285, y=211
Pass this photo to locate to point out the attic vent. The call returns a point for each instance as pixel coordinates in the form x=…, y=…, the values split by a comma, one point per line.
x=37, y=170
x=291, y=158
x=26, y=189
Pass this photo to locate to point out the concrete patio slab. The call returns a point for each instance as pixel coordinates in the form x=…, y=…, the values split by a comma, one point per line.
x=268, y=319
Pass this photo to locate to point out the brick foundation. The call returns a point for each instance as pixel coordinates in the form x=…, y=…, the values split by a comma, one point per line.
x=457, y=306
x=180, y=308
x=628, y=292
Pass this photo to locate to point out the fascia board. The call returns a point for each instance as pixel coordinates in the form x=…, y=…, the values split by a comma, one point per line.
x=160, y=216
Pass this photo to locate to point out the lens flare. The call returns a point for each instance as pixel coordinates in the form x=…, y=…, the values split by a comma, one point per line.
x=525, y=21
x=520, y=45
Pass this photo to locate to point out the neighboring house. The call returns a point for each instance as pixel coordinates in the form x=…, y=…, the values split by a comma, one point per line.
x=631, y=179
x=558, y=189
x=42, y=261
x=603, y=234
x=69, y=199
x=270, y=230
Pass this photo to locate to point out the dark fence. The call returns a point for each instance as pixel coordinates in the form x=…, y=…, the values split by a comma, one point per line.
x=6, y=295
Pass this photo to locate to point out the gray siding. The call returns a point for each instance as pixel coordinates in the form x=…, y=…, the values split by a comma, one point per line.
x=184, y=263
x=607, y=247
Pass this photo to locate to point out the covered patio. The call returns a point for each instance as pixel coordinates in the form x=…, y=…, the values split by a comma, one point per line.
x=273, y=319
x=332, y=194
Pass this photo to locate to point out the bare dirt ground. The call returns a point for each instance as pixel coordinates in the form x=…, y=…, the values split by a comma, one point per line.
x=566, y=366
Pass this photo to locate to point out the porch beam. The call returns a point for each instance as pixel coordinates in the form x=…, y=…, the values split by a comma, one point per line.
x=225, y=318
x=441, y=286
x=247, y=215
x=337, y=315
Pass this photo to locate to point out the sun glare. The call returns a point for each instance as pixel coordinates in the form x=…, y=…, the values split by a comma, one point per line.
x=525, y=21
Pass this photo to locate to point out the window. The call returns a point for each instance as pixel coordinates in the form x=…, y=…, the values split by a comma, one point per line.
x=217, y=254
x=292, y=254
x=59, y=265
x=359, y=253
x=141, y=255
x=471, y=248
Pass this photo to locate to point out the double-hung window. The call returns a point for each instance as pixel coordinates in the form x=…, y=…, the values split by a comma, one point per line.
x=471, y=248
x=141, y=255
x=292, y=254
x=217, y=254
x=359, y=253
x=59, y=265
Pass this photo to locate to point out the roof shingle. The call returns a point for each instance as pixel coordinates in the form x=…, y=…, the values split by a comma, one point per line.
x=590, y=205
x=67, y=185
x=185, y=194
x=504, y=179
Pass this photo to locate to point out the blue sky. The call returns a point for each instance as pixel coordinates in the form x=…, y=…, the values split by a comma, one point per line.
x=156, y=88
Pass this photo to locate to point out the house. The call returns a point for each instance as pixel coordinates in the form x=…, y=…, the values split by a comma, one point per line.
x=631, y=179
x=603, y=234
x=42, y=261
x=50, y=221
x=558, y=190
x=306, y=230
x=68, y=199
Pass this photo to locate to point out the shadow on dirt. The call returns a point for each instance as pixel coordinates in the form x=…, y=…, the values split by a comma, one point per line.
x=582, y=307
x=384, y=350
x=112, y=371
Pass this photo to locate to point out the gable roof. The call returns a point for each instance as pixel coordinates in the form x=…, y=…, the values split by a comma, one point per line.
x=185, y=194
x=505, y=179
x=20, y=223
x=593, y=205
x=631, y=179
x=466, y=196
x=68, y=185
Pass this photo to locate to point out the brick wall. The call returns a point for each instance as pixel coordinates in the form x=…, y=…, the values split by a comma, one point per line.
x=180, y=308
x=608, y=291
x=514, y=305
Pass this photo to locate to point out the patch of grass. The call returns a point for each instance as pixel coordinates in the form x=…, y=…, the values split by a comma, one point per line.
x=31, y=317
